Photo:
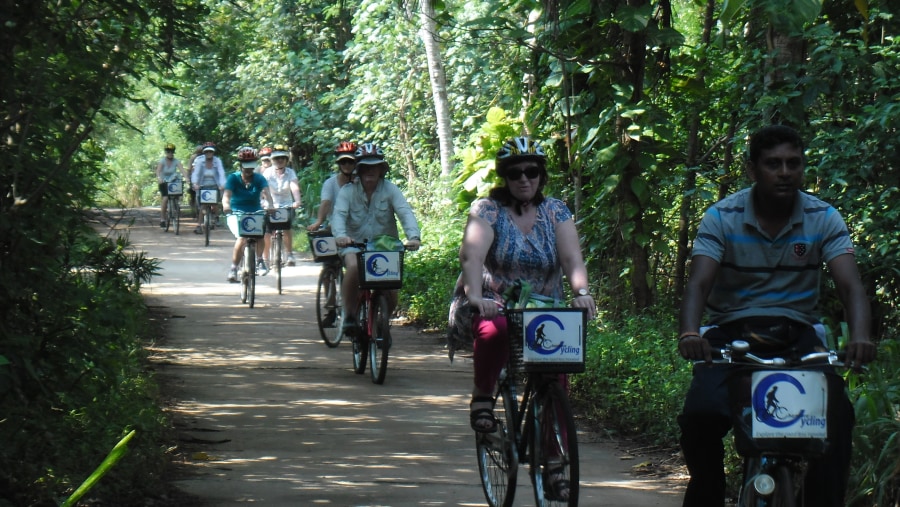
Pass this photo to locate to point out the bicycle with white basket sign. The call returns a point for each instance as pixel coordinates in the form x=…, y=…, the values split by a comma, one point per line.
x=251, y=227
x=328, y=290
x=173, y=207
x=777, y=444
x=208, y=197
x=533, y=414
x=379, y=271
x=279, y=220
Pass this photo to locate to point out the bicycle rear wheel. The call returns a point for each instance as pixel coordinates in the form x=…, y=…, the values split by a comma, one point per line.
x=361, y=340
x=380, y=342
x=277, y=257
x=328, y=305
x=175, y=206
x=554, y=448
x=498, y=459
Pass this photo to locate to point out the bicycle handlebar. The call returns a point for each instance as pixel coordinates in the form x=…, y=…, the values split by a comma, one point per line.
x=738, y=352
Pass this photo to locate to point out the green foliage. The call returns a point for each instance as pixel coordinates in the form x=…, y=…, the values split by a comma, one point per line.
x=635, y=380
x=876, y=452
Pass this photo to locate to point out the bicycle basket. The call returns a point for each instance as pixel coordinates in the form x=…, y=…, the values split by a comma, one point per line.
x=251, y=225
x=322, y=246
x=380, y=269
x=280, y=219
x=548, y=340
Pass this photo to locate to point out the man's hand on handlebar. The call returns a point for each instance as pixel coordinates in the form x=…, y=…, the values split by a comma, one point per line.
x=860, y=353
x=695, y=348
x=412, y=244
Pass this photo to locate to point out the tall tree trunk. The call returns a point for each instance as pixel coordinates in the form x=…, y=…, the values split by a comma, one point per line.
x=635, y=59
x=428, y=34
x=690, y=177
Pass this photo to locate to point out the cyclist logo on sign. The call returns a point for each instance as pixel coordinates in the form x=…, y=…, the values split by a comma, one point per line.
x=768, y=409
x=248, y=224
x=536, y=338
x=373, y=267
x=322, y=246
x=206, y=196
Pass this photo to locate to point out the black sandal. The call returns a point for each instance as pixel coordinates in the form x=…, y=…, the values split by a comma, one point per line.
x=554, y=489
x=480, y=415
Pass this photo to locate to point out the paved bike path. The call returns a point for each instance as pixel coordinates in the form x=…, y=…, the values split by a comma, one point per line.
x=268, y=415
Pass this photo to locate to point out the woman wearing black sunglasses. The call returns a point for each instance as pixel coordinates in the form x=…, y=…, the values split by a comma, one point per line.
x=515, y=233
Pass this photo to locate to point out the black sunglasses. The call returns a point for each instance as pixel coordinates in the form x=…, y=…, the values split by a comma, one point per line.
x=529, y=172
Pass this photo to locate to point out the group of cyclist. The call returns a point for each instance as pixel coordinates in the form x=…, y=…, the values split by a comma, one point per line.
x=517, y=233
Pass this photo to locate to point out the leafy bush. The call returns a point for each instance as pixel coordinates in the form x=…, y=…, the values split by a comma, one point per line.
x=634, y=380
x=72, y=381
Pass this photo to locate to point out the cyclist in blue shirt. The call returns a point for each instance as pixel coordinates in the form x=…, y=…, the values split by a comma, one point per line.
x=244, y=191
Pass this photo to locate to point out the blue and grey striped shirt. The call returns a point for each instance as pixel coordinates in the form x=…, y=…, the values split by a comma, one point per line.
x=764, y=276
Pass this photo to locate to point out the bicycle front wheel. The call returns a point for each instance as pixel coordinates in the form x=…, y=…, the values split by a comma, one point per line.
x=328, y=305
x=554, y=448
x=175, y=205
x=250, y=254
x=277, y=258
x=380, y=342
x=245, y=281
x=498, y=459
x=207, y=222
x=361, y=341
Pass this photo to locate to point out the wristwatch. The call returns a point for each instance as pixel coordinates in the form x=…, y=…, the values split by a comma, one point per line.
x=583, y=292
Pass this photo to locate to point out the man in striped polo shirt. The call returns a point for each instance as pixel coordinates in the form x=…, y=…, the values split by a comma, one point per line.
x=755, y=273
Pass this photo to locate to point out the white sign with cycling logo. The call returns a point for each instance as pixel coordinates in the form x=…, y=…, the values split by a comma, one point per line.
x=280, y=216
x=553, y=337
x=382, y=266
x=324, y=246
x=175, y=187
x=208, y=195
x=789, y=404
x=251, y=224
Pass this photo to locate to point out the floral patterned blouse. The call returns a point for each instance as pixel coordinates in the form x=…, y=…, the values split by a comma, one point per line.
x=515, y=255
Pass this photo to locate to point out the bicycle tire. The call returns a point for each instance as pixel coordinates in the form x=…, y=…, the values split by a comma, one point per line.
x=167, y=214
x=328, y=290
x=251, y=264
x=498, y=458
x=554, y=445
x=207, y=222
x=277, y=257
x=245, y=281
x=380, y=341
x=176, y=211
x=784, y=494
x=361, y=340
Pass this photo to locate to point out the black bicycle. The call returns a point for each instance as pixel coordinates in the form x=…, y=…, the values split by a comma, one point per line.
x=328, y=289
x=173, y=211
x=776, y=448
x=251, y=227
x=208, y=198
x=532, y=409
x=279, y=221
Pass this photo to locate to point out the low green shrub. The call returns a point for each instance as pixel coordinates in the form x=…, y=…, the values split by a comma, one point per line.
x=635, y=380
